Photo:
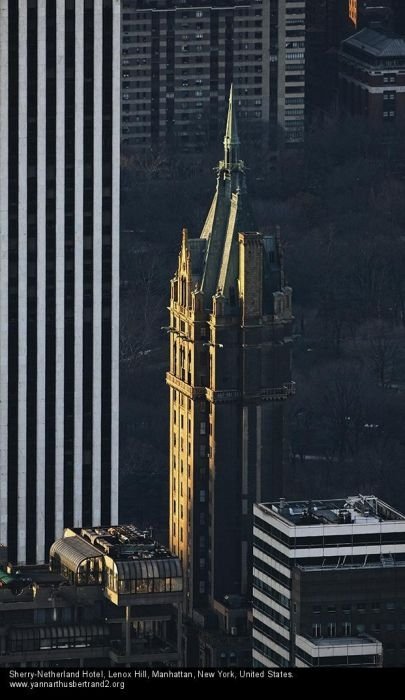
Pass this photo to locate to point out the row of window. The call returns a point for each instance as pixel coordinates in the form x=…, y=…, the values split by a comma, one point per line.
x=63, y=642
x=375, y=606
x=143, y=586
x=294, y=112
x=271, y=633
x=347, y=629
x=294, y=55
x=271, y=613
x=271, y=572
x=269, y=653
x=271, y=592
x=341, y=539
x=347, y=660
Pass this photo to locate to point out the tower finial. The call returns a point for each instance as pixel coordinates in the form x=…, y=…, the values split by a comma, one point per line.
x=231, y=139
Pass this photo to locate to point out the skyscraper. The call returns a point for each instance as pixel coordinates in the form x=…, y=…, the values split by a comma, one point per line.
x=230, y=374
x=179, y=60
x=59, y=229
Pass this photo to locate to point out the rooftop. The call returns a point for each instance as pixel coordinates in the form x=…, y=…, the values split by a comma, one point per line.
x=122, y=542
x=16, y=578
x=359, y=509
x=178, y=5
x=342, y=641
x=376, y=43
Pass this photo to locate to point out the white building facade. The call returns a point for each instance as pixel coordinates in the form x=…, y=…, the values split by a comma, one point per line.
x=327, y=583
x=59, y=268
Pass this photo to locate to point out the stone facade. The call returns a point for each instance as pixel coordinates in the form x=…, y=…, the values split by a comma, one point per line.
x=229, y=377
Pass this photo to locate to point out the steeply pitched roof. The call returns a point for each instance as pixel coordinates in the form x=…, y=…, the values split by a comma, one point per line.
x=229, y=214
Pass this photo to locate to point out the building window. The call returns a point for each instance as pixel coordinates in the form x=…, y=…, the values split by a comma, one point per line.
x=316, y=630
x=361, y=607
x=375, y=606
x=331, y=608
x=347, y=629
x=202, y=586
x=390, y=605
x=203, y=428
x=331, y=629
x=316, y=609
x=202, y=496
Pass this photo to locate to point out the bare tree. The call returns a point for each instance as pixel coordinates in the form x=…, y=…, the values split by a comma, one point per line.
x=382, y=349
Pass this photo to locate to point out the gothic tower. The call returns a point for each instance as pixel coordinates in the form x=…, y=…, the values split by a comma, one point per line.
x=229, y=377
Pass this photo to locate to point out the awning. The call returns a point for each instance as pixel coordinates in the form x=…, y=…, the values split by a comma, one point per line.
x=59, y=632
x=134, y=570
x=73, y=550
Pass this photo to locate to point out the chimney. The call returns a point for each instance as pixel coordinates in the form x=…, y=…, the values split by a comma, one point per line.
x=251, y=275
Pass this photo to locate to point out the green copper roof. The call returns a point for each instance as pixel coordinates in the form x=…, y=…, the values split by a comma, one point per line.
x=229, y=214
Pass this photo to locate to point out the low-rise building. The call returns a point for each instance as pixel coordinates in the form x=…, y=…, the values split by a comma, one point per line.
x=372, y=77
x=111, y=596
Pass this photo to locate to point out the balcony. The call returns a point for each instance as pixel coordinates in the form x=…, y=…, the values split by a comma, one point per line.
x=190, y=391
x=223, y=395
x=279, y=393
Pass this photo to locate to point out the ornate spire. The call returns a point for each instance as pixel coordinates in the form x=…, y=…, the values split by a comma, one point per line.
x=231, y=139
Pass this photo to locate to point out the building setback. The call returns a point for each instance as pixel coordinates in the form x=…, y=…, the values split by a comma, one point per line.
x=229, y=377
x=372, y=78
x=328, y=583
x=179, y=60
x=59, y=274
